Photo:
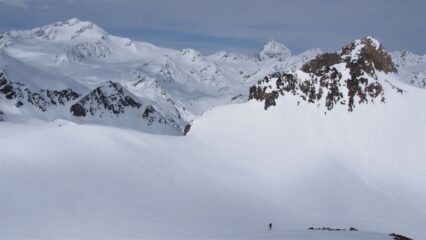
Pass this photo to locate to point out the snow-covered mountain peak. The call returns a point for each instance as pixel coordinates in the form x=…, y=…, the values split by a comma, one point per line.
x=72, y=30
x=406, y=57
x=365, y=46
x=411, y=67
x=179, y=84
x=73, y=21
x=367, y=55
x=110, y=96
x=310, y=54
x=357, y=74
x=190, y=55
x=230, y=56
x=274, y=49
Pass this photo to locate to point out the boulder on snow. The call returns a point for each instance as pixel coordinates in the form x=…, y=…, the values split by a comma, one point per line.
x=399, y=237
x=78, y=110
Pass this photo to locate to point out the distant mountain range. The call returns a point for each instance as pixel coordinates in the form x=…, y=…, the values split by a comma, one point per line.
x=75, y=70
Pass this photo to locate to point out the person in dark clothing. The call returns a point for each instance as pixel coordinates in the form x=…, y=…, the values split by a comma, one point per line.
x=270, y=226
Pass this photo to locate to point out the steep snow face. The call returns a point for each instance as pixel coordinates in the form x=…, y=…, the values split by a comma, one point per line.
x=35, y=77
x=411, y=67
x=331, y=169
x=180, y=85
x=273, y=49
x=290, y=166
x=239, y=168
x=361, y=73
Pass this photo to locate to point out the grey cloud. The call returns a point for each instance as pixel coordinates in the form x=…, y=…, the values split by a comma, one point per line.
x=15, y=3
x=212, y=25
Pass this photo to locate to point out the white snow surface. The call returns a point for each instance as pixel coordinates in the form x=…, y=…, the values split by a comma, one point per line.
x=411, y=67
x=273, y=49
x=239, y=168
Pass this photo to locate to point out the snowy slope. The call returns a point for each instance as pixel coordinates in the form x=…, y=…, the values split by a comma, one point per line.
x=411, y=67
x=87, y=181
x=328, y=159
x=364, y=168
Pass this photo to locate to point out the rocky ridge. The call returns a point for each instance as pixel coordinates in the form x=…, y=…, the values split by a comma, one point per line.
x=349, y=77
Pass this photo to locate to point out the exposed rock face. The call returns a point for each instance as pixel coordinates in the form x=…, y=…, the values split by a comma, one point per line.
x=6, y=88
x=109, y=100
x=42, y=99
x=348, y=77
x=78, y=110
x=187, y=128
x=149, y=114
x=114, y=100
x=320, y=62
x=112, y=97
x=399, y=237
x=61, y=97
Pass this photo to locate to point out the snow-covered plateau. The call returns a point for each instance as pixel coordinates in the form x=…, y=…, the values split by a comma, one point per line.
x=92, y=140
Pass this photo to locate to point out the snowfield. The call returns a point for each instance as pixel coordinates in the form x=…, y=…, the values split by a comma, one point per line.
x=290, y=165
x=91, y=141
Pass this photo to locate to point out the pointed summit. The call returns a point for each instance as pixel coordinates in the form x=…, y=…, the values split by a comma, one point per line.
x=327, y=82
x=72, y=21
x=359, y=46
x=273, y=49
x=369, y=55
x=72, y=29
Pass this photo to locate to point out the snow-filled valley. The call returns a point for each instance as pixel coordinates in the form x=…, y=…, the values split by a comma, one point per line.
x=92, y=143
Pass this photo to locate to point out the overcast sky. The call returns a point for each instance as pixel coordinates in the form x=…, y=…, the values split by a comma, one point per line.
x=239, y=25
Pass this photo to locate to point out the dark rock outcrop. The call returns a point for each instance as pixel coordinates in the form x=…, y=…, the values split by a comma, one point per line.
x=148, y=114
x=6, y=88
x=112, y=97
x=399, y=237
x=348, y=77
x=327, y=229
x=187, y=128
x=78, y=110
x=41, y=99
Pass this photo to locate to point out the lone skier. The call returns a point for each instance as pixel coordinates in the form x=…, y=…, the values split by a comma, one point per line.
x=270, y=226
